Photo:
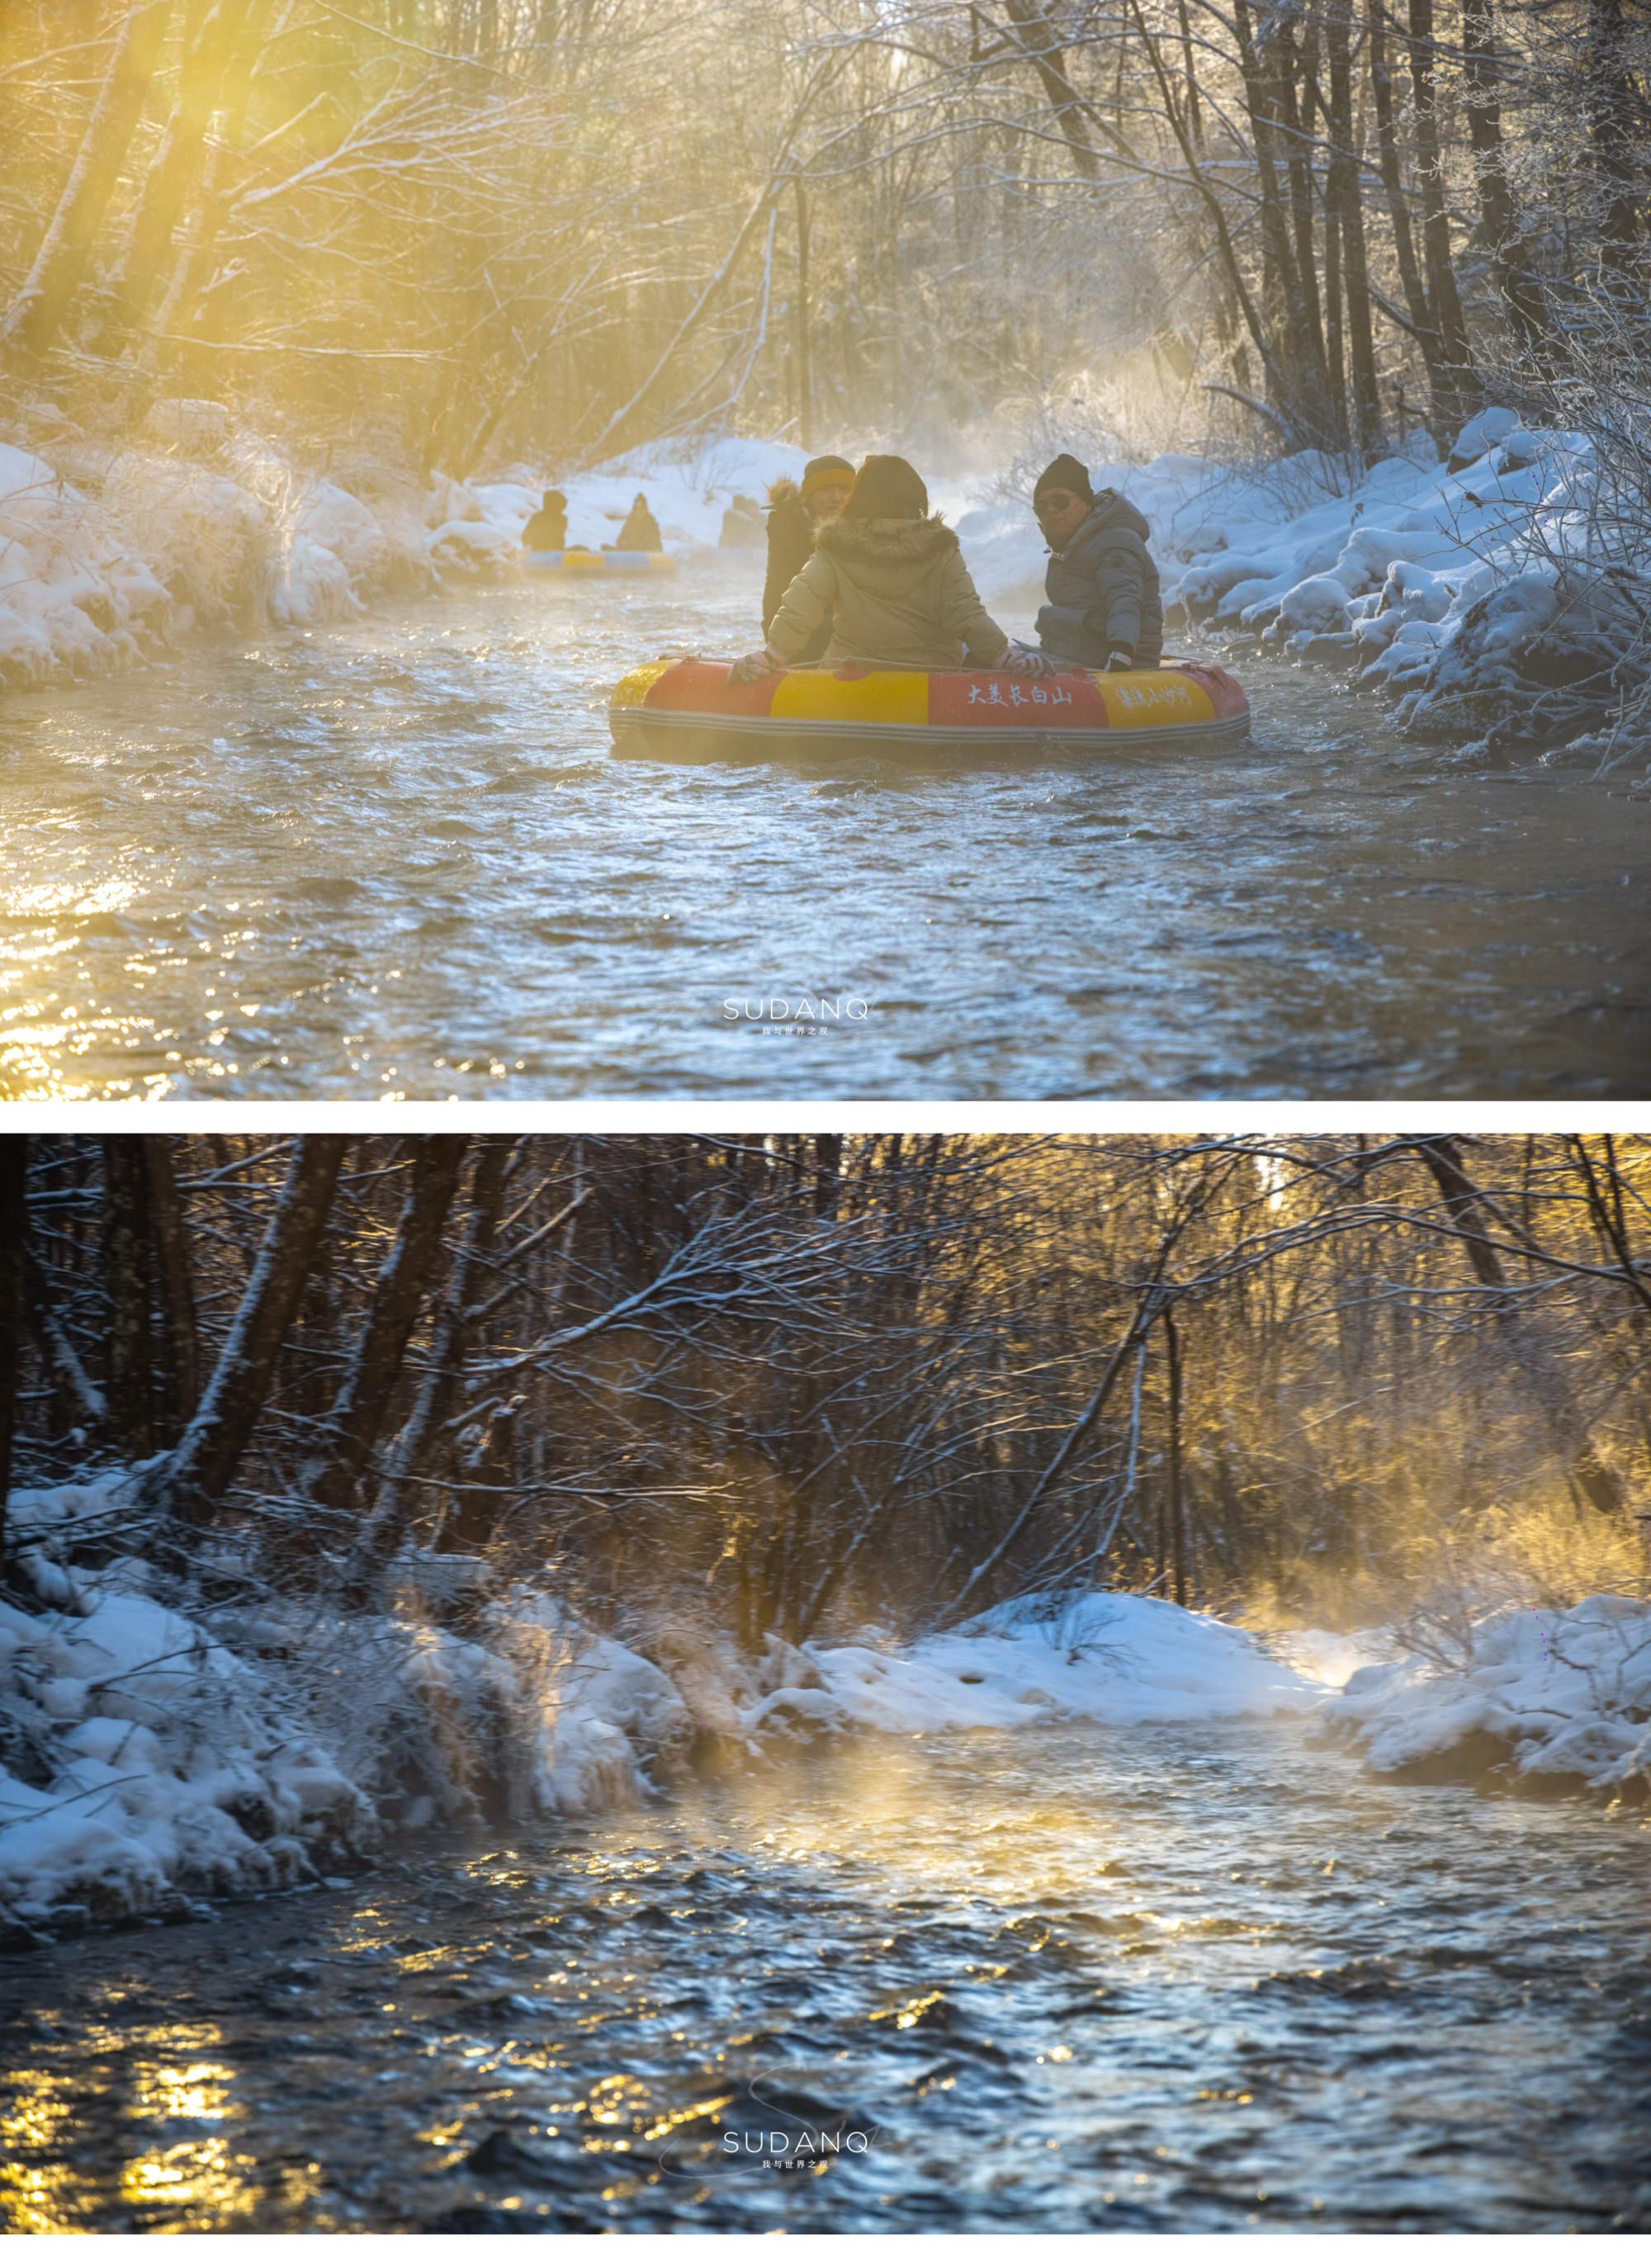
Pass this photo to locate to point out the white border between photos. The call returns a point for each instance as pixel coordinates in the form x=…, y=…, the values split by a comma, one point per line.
x=639, y=1115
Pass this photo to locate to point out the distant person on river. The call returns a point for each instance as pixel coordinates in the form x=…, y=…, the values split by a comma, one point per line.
x=547, y=529
x=640, y=531
x=891, y=576
x=742, y=525
x=795, y=516
x=1103, y=610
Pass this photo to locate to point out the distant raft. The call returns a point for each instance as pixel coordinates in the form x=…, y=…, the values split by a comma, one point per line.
x=681, y=707
x=599, y=563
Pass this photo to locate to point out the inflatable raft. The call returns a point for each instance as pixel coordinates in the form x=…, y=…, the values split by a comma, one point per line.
x=599, y=563
x=676, y=707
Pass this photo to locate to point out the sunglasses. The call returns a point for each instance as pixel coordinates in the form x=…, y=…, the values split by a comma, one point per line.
x=1053, y=500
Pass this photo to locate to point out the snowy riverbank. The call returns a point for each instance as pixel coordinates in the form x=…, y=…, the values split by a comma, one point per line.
x=108, y=556
x=1468, y=596
x=1471, y=594
x=152, y=1758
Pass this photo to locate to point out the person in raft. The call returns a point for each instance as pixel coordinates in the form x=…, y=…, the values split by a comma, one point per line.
x=1103, y=610
x=547, y=529
x=795, y=516
x=742, y=525
x=640, y=531
x=891, y=574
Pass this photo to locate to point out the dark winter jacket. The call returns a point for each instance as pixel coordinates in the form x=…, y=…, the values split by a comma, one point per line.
x=547, y=531
x=742, y=530
x=1104, y=591
x=791, y=547
x=899, y=594
x=640, y=532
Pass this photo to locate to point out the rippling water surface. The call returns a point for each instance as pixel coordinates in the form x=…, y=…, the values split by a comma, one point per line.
x=400, y=857
x=1059, y=1980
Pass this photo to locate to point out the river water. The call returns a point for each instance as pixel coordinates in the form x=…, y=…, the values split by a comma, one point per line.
x=399, y=858
x=1055, y=1980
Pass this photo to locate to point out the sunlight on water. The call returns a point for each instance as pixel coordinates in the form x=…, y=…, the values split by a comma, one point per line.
x=401, y=858
x=1062, y=1979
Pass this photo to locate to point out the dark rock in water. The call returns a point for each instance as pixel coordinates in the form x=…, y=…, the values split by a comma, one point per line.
x=500, y=2158
x=488, y=2221
x=1470, y=1760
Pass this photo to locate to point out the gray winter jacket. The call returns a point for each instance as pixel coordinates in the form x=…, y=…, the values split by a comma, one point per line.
x=1104, y=591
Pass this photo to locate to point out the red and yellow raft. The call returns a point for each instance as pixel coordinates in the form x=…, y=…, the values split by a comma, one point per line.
x=667, y=706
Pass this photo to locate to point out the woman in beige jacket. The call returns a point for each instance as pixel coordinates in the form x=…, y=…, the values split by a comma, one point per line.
x=891, y=577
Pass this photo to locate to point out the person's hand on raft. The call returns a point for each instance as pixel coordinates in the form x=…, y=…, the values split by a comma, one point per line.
x=1027, y=661
x=751, y=666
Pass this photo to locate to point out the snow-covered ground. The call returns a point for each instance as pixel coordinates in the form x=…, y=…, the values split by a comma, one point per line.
x=1105, y=1656
x=1564, y=1693
x=105, y=557
x=149, y=1758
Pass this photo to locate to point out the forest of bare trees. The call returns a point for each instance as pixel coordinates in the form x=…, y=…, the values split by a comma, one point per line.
x=452, y=230
x=792, y=1385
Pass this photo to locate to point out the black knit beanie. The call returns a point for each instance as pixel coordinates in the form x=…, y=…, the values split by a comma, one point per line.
x=887, y=488
x=1065, y=472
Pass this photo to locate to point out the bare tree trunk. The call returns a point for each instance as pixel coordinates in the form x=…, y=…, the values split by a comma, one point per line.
x=1342, y=194
x=828, y=1165
x=1612, y=119
x=1458, y=390
x=14, y=1165
x=1040, y=42
x=1296, y=374
x=804, y=374
x=83, y=1399
x=176, y=1286
x=36, y=316
x=434, y=1397
x=128, y=1375
x=1499, y=226
x=190, y=1483
x=1177, y=1505
x=1466, y=1207
x=1392, y=181
x=354, y=1422
x=1290, y=66
x=175, y=174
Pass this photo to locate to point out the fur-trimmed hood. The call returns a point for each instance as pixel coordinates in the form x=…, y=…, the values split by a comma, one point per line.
x=783, y=491
x=863, y=543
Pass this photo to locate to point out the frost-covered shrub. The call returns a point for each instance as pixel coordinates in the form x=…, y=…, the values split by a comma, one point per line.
x=145, y=1765
x=73, y=599
x=203, y=536
x=1561, y=1694
x=1540, y=650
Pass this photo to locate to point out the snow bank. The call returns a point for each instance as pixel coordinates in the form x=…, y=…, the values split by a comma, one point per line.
x=144, y=1766
x=1556, y=1693
x=1108, y=1656
x=609, y=1727
x=1468, y=594
x=72, y=597
x=107, y=556
x=149, y=1757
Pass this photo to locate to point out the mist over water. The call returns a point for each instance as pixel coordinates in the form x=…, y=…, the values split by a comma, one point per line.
x=1200, y=1978
x=400, y=857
